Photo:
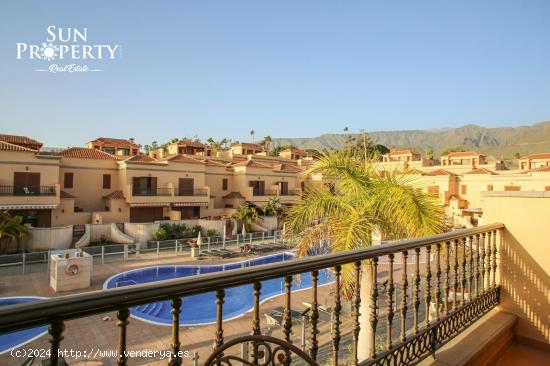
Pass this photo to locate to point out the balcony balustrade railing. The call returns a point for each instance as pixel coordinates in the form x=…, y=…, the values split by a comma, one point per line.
x=151, y=192
x=27, y=190
x=266, y=192
x=191, y=192
x=457, y=275
x=291, y=192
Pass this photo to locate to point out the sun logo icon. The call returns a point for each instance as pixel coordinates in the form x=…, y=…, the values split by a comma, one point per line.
x=48, y=51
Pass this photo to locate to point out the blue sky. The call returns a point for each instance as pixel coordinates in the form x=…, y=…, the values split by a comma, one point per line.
x=283, y=68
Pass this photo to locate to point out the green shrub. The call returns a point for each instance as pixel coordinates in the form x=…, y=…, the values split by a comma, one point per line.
x=160, y=234
x=212, y=232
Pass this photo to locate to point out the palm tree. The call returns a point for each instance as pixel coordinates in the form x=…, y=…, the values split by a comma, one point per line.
x=266, y=142
x=273, y=207
x=11, y=228
x=361, y=202
x=252, y=133
x=246, y=215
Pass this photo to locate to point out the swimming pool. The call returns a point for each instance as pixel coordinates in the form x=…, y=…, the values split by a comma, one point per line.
x=201, y=309
x=9, y=341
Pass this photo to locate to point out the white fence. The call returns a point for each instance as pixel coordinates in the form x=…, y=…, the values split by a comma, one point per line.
x=13, y=264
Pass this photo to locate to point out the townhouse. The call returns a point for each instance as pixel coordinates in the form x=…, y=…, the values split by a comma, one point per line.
x=110, y=181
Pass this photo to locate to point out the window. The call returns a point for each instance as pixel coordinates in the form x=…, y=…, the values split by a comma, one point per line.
x=68, y=180
x=106, y=181
x=109, y=150
x=224, y=184
x=512, y=188
x=125, y=151
x=463, y=189
x=433, y=191
x=490, y=188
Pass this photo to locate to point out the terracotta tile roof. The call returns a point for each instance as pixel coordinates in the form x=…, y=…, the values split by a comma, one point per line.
x=23, y=141
x=460, y=154
x=114, y=195
x=6, y=146
x=418, y=172
x=441, y=172
x=179, y=158
x=541, y=169
x=211, y=162
x=234, y=195
x=64, y=194
x=286, y=168
x=189, y=143
x=250, y=146
x=141, y=158
x=114, y=141
x=84, y=153
x=296, y=151
x=538, y=156
x=252, y=164
x=480, y=171
x=401, y=152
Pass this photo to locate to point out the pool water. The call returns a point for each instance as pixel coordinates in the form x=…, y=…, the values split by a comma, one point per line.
x=201, y=309
x=9, y=341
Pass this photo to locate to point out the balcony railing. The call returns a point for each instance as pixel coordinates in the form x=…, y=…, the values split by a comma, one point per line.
x=291, y=192
x=455, y=274
x=267, y=192
x=191, y=192
x=151, y=192
x=27, y=190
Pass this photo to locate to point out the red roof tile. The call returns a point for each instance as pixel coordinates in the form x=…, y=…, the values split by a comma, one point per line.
x=23, y=141
x=480, y=171
x=401, y=152
x=114, y=141
x=84, y=153
x=114, y=195
x=179, y=158
x=189, y=143
x=250, y=146
x=286, y=168
x=6, y=146
x=252, y=164
x=141, y=158
x=460, y=154
x=441, y=172
x=538, y=156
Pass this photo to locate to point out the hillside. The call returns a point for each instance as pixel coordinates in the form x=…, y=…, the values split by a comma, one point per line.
x=500, y=142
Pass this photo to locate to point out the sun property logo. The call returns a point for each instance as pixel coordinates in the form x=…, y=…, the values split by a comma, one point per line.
x=67, y=50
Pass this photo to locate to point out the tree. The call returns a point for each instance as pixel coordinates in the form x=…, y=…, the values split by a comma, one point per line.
x=266, y=142
x=252, y=133
x=430, y=154
x=452, y=149
x=362, y=202
x=517, y=155
x=132, y=140
x=11, y=228
x=246, y=215
x=273, y=207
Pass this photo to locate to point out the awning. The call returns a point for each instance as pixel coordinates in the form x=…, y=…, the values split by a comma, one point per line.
x=190, y=204
x=27, y=207
x=149, y=204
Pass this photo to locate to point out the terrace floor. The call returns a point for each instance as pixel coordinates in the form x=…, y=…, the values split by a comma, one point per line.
x=519, y=354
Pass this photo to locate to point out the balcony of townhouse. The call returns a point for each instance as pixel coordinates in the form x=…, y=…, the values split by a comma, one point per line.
x=166, y=196
x=288, y=196
x=29, y=197
x=443, y=308
x=259, y=195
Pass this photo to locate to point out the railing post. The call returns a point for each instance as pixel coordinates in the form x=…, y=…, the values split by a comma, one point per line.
x=49, y=260
x=209, y=243
x=263, y=236
x=244, y=352
x=102, y=254
x=23, y=259
x=55, y=330
x=158, y=249
x=125, y=252
x=176, y=248
x=195, y=359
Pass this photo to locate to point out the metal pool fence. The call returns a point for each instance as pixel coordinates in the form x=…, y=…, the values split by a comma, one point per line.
x=35, y=262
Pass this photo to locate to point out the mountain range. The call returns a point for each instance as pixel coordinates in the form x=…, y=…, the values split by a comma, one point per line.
x=499, y=142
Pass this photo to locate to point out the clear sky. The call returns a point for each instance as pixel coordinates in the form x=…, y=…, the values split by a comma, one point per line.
x=283, y=68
